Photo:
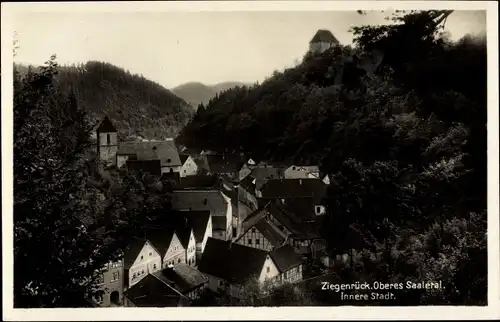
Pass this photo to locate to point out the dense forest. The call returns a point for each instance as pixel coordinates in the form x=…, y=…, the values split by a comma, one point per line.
x=136, y=105
x=198, y=93
x=403, y=139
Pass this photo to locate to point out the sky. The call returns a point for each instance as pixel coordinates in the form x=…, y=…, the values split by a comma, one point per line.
x=173, y=48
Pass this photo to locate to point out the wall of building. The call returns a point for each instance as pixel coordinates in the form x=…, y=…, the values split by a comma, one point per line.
x=229, y=217
x=167, y=169
x=269, y=271
x=111, y=281
x=200, y=245
x=292, y=275
x=121, y=160
x=176, y=253
x=215, y=284
x=148, y=261
x=253, y=238
x=191, y=251
x=189, y=168
x=107, y=150
x=320, y=47
x=248, y=198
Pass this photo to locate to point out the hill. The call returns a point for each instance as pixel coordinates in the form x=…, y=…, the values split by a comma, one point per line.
x=197, y=93
x=136, y=105
x=403, y=140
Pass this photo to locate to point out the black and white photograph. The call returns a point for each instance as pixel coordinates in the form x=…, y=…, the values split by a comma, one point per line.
x=229, y=155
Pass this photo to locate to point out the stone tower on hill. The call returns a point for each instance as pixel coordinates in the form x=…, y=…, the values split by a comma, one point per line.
x=322, y=41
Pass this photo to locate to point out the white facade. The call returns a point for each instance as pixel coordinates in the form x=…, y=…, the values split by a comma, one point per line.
x=269, y=271
x=148, y=261
x=302, y=172
x=189, y=168
x=253, y=238
x=176, y=253
x=108, y=146
x=167, y=169
x=229, y=218
x=191, y=251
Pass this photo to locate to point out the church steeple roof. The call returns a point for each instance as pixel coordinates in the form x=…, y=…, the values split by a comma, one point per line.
x=323, y=35
x=106, y=126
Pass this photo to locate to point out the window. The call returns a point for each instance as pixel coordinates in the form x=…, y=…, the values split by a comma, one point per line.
x=151, y=254
x=142, y=257
x=134, y=276
x=268, y=269
x=142, y=272
x=286, y=274
x=253, y=229
x=108, y=139
x=154, y=266
x=179, y=260
x=221, y=283
x=169, y=160
x=249, y=241
x=184, y=171
x=234, y=231
x=257, y=242
x=115, y=277
x=171, y=170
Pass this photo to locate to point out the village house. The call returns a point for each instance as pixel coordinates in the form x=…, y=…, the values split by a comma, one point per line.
x=153, y=291
x=185, y=279
x=315, y=189
x=215, y=201
x=240, y=209
x=168, y=245
x=259, y=232
x=224, y=164
x=140, y=259
x=305, y=172
x=117, y=153
x=229, y=266
x=322, y=41
x=193, y=165
x=289, y=263
x=110, y=285
x=193, y=229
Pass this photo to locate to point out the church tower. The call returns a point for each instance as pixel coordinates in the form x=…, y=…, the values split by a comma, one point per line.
x=107, y=141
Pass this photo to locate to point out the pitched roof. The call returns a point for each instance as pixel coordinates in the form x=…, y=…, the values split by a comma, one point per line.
x=182, y=277
x=272, y=233
x=294, y=188
x=285, y=258
x=300, y=229
x=160, y=239
x=201, y=161
x=165, y=151
x=323, y=35
x=106, y=126
x=196, y=221
x=197, y=182
x=150, y=166
x=222, y=164
x=231, y=262
x=219, y=222
x=153, y=292
x=132, y=251
x=183, y=157
x=199, y=200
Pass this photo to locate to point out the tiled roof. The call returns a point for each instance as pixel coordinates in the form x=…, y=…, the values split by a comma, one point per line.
x=323, y=35
x=294, y=188
x=183, y=157
x=132, y=251
x=151, y=166
x=106, y=126
x=165, y=151
x=178, y=220
x=298, y=228
x=199, y=200
x=160, y=239
x=198, y=182
x=272, y=233
x=153, y=292
x=182, y=277
x=286, y=258
x=201, y=161
x=231, y=262
x=220, y=164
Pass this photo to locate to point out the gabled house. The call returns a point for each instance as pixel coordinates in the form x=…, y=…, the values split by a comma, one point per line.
x=168, y=245
x=215, y=201
x=289, y=263
x=165, y=151
x=193, y=165
x=293, y=189
x=186, y=236
x=187, y=280
x=259, y=232
x=200, y=222
x=223, y=164
x=153, y=291
x=229, y=266
x=140, y=258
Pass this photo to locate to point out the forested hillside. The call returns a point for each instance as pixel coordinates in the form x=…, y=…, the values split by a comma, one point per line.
x=135, y=104
x=198, y=93
x=403, y=139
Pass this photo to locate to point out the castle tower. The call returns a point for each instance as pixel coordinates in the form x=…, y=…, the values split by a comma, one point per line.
x=322, y=41
x=107, y=141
